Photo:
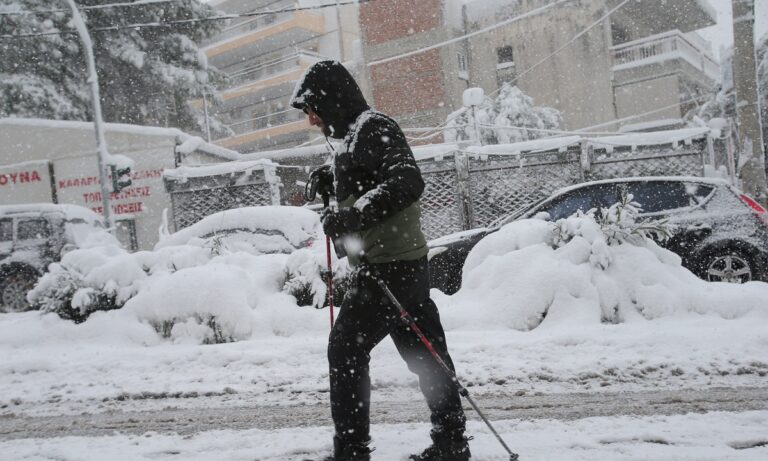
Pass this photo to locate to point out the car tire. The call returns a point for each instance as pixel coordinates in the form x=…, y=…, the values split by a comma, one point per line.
x=13, y=292
x=732, y=265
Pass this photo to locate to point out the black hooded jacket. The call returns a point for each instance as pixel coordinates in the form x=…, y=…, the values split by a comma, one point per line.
x=375, y=171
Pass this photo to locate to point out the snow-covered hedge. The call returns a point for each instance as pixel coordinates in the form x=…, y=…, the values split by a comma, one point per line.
x=199, y=291
x=588, y=268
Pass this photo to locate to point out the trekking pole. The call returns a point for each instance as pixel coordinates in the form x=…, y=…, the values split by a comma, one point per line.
x=411, y=323
x=326, y=204
x=320, y=180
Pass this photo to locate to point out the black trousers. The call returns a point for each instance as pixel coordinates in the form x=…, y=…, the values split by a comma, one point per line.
x=366, y=317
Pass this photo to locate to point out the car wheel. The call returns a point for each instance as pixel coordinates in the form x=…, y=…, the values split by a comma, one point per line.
x=13, y=293
x=728, y=265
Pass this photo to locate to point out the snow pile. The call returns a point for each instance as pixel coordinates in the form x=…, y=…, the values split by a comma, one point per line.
x=585, y=270
x=204, y=290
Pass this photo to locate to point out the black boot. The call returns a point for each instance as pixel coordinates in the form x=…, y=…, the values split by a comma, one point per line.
x=446, y=447
x=349, y=451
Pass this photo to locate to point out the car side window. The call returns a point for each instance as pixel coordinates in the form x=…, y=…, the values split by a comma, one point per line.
x=33, y=229
x=659, y=196
x=584, y=199
x=6, y=230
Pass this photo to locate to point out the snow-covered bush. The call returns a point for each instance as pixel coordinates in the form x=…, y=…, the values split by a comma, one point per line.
x=87, y=280
x=599, y=266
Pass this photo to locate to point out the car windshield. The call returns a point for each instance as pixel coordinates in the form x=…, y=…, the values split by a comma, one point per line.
x=498, y=222
x=260, y=241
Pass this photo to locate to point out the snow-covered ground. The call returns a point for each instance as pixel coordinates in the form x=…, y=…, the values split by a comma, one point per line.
x=545, y=308
x=714, y=436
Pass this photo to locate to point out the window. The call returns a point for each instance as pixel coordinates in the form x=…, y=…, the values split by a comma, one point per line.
x=6, y=230
x=583, y=199
x=462, y=63
x=619, y=34
x=658, y=196
x=33, y=229
x=505, y=56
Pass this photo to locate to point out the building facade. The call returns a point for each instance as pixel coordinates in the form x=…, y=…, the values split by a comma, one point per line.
x=644, y=58
x=55, y=161
x=262, y=57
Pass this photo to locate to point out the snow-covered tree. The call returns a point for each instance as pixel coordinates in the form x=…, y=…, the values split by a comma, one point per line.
x=147, y=75
x=722, y=103
x=503, y=120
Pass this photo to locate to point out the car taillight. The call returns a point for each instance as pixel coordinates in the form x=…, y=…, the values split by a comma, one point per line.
x=756, y=207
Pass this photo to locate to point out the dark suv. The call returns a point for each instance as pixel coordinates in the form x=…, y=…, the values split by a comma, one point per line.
x=720, y=233
x=33, y=236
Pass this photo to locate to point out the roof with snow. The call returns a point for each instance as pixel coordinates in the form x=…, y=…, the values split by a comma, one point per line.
x=187, y=143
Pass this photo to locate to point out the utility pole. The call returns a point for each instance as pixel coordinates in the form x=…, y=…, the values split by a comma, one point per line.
x=101, y=141
x=339, y=31
x=751, y=156
x=207, y=123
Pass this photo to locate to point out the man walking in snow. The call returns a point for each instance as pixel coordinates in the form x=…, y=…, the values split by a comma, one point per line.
x=377, y=187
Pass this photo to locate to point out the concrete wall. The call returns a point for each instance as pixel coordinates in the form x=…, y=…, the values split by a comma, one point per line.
x=649, y=95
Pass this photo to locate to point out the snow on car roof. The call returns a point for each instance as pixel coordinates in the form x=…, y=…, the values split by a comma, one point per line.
x=700, y=180
x=70, y=212
x=296, y=223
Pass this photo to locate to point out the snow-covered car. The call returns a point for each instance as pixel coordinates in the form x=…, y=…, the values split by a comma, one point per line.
x=32, y=236
x=257, y=230
x=720, y=233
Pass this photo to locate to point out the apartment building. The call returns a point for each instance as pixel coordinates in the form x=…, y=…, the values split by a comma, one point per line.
x=263, y=56
x=646, y=57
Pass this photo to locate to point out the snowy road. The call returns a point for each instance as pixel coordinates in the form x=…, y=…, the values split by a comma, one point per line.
x=498, y=407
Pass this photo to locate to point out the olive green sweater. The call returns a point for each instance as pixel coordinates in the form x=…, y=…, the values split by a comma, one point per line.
x=397, y=238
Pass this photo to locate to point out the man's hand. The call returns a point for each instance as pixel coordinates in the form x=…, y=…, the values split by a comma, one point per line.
x=338, y=223
x=320, y=180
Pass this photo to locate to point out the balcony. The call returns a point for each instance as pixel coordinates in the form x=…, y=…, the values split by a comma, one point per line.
x=245, y=134
x=662, y=48
x=263, y=35
x=266, y=75
x=643, y=18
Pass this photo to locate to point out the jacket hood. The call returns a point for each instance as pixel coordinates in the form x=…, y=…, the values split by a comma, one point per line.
x=329, y=90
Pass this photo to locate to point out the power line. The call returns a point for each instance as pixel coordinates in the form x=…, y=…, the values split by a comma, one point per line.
x=90, y=7
x=533, y=12
x=632, y=117
x=546, y=58
x=575, y=37
x=187, y=21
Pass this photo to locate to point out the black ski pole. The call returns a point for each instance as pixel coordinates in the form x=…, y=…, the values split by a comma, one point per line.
x=411, y=323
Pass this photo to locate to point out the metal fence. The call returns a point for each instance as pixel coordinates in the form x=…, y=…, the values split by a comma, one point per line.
x=463, y=190
x=194, y=198
x=469, y=190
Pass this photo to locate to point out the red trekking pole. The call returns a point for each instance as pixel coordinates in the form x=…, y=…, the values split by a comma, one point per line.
x=411, y=323
x=321, y=180
x=326, y=204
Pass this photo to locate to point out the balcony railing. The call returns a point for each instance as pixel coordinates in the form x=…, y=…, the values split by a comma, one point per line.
x=262, y=27
x=267, y=121
x=663, y=47
x=300, y=59
x=256, y=22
